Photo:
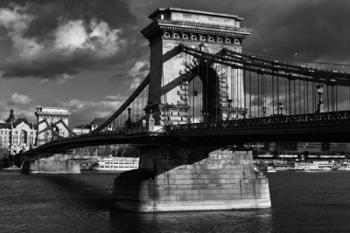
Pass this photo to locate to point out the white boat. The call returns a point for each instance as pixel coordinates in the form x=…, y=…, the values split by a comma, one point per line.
x=316, y=166
x=270, y=169
x=117, y=164
x=283, y=167
x=345, y=166
x=12, y=168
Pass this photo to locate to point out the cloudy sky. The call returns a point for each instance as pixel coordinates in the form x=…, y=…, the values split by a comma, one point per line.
x=89, y=54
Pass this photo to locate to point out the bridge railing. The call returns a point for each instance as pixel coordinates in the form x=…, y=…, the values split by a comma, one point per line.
x=276, y=121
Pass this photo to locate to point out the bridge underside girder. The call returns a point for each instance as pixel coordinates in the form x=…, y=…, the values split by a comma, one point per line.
x=219, y=137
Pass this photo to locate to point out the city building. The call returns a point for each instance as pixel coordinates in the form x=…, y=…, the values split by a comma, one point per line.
x=17, y=134
x=97, y=122
x=84, y=129
x=79, y=130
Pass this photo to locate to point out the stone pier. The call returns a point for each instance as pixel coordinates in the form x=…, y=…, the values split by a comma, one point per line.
x=57, y=164
x=184, y=179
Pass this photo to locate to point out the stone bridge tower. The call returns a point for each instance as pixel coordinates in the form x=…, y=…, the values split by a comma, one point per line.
x=52, y=123
x=207, y=31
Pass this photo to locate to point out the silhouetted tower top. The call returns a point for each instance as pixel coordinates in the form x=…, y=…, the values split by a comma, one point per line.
x=11, y=117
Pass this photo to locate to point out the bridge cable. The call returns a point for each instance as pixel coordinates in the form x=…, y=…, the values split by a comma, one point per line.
x=194, y=95
x=295, y=97
x=289, y=96
x=307, y=97
x=349, y=93
x=244, y=92
x=265, y=94
x=336, y=98
x=237, y=92
x=273, y=92
x=233, y=90
x=218, y=96
x=250, y=94
x=258, y=77
x=278, y=93
x=207, y=92
x=286, y=96
x=328, y=97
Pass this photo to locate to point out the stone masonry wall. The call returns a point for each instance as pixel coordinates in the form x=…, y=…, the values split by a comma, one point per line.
x=222, y=180
x=57, y=164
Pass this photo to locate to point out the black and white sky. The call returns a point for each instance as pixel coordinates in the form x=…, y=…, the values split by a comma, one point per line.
x=89, y=55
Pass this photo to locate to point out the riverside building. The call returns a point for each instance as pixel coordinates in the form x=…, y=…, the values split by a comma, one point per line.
x=17, y=134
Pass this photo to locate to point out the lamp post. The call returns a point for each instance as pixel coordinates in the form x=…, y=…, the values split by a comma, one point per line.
x=320, y=99
x=229, y=102
x=264, y=110
x=195, y=93
x=128, y=121
x=280, y=106
x=166, y=111
x=129, y=113
x=205, y=116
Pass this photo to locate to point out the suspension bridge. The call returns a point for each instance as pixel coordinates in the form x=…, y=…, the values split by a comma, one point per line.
x=254, y=100
x=204, y=91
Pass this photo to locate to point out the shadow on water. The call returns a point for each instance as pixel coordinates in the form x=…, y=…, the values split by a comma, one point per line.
x=90, y=191
x=210, y=221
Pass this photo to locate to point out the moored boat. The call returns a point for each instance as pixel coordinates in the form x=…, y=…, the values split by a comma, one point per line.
x=117, y=164
x=270, y=169
x=315, y=166
x=345, y=166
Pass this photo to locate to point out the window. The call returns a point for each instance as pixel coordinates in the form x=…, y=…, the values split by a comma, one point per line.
x=23, y=136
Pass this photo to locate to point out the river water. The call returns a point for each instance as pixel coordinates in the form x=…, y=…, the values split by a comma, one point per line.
x=301, y=202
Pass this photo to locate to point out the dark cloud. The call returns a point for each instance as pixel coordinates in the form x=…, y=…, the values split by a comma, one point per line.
x=54, y=38
x=315, y=30
x=49, y=13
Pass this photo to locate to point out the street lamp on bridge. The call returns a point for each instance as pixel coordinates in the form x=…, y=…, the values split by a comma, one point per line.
x=280, y=106
x=264, y=110
x=205, y=116
x=229, y=102
x=320, y=99
x=195, y=93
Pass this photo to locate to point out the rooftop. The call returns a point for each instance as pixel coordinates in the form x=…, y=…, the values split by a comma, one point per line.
x=98, y=121
x=193, y=12
x=52, y=110
x=13, y=121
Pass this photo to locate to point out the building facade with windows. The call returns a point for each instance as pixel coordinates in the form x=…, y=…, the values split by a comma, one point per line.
x=17, y=134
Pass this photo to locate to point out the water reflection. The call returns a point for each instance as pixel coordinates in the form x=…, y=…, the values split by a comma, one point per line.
x=213, y=221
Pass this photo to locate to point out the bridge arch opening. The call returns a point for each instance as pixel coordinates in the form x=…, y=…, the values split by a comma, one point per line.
x=204, y=93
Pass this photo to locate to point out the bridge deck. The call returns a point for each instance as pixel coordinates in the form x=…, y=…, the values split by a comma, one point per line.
x=331, y=126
